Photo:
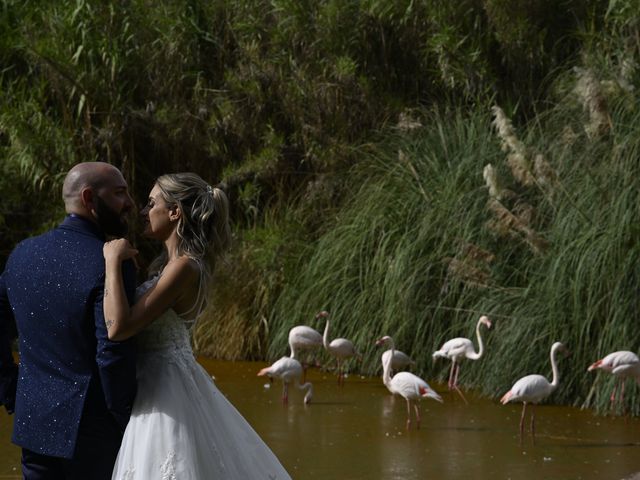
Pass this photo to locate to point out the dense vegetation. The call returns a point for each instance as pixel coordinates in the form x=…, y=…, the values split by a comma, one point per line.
x=406, y=165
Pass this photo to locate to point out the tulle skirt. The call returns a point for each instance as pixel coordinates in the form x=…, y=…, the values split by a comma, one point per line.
x=183, y=428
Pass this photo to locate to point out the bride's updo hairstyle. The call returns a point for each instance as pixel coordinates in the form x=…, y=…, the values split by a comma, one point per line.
x=203, y=228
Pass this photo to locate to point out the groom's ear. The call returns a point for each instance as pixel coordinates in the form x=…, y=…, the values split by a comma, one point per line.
x=87, y=199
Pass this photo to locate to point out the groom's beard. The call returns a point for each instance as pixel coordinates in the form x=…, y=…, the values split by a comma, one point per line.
x=111, y=222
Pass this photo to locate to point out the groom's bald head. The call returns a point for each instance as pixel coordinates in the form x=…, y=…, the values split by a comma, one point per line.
x=87, y=175
x=98, y=192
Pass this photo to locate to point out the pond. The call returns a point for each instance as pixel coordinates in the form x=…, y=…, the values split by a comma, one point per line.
x=358, y=432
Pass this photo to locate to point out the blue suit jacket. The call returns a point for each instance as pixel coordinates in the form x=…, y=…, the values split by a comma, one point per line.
x=52, y=288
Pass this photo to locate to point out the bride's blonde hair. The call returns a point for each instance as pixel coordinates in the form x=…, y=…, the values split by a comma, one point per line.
x=203, y=227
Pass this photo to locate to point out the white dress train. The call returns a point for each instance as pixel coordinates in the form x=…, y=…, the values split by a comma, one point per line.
x=182, y=427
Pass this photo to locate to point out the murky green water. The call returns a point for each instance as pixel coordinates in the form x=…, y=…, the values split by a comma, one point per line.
x=358, y=432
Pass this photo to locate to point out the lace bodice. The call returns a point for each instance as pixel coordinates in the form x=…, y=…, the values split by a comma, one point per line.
x=168, y=333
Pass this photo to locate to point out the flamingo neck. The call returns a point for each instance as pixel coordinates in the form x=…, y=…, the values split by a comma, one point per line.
x=554, y=368
x=325, y=337
x=386, y=368
x=293, y=350
x=474, y=355
x=309, y=388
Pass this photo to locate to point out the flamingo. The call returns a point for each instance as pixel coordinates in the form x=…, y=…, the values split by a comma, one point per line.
x=457, y=349
x=288, y=370
x=621, y=365
x=399, y=360
x=304, y=338
x=533, y=389
x=406, y=384
x=340, y=348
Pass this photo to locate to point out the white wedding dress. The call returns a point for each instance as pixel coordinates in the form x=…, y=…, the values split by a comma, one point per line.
x=182, y=427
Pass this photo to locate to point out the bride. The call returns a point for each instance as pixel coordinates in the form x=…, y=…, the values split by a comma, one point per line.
x=181, y=427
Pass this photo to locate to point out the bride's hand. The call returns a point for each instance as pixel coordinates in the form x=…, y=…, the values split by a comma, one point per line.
x=118, y=250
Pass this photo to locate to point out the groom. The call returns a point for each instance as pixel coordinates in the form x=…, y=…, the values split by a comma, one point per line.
x=73, y=390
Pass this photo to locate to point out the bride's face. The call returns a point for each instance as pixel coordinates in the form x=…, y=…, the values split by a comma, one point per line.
x=158, y=218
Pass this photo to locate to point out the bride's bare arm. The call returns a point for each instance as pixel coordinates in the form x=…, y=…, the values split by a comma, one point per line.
x=122, y=321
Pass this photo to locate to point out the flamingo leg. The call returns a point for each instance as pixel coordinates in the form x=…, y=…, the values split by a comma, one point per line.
x=340, y=382
x=408, y=414
x=621, y=399
x=285, y=393
x=612, y=398
x=461, y=395
x=455, y=379
x=524, y=411
x=455, y=384
x=415, y=406
x=533, y=423
x=453, y=366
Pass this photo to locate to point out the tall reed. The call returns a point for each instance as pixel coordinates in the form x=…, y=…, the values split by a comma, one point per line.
x=413, y=254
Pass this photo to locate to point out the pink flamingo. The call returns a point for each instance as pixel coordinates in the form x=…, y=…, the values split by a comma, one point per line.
x=288, y=370
x=409, y=386
x=340, y=348
x=457, y=349
x=399, y=360
x=304, y=338
x=533, y=389
x=621, y=365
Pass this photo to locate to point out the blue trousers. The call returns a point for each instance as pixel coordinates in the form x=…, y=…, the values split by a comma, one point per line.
x=96, y=450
